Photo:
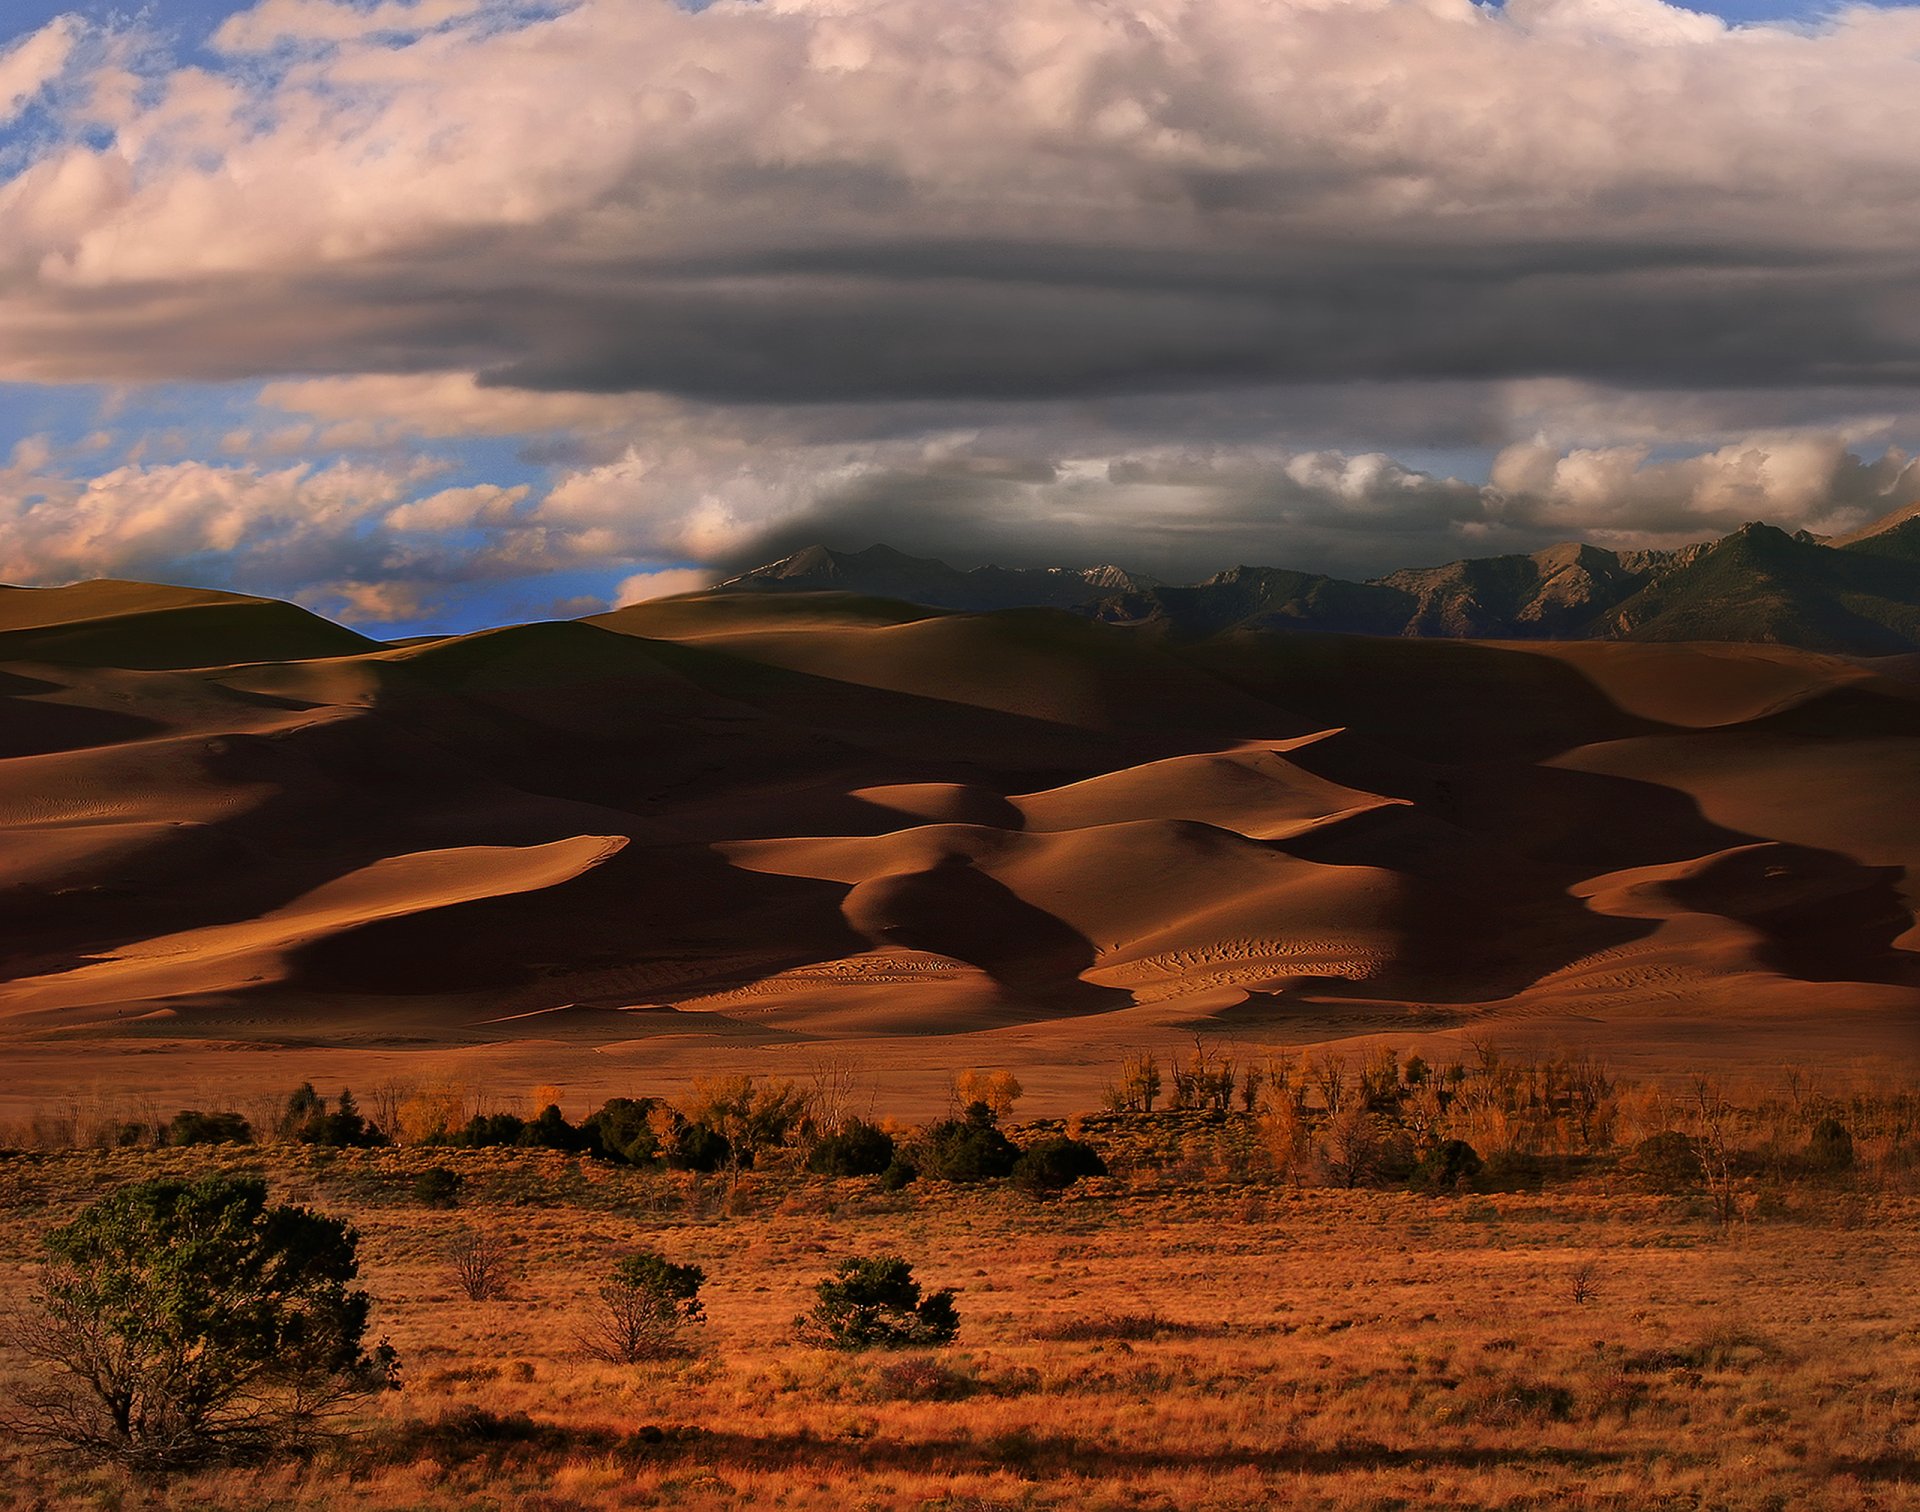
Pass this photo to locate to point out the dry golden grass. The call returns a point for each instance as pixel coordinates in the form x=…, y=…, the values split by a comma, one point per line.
x=1167, y=1338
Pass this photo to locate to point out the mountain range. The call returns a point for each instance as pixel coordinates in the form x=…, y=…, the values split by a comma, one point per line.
x=1757, y=585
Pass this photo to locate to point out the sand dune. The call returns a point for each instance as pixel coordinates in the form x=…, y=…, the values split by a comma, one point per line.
x=779, y=821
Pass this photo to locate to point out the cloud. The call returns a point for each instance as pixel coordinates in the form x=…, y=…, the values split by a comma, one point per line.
x=274, y=22
x=661, y=583
x=630, y=196
x=28, y=67
x=1187, y=511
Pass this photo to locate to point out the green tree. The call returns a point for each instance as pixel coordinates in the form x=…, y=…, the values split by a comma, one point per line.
x=857, y=1149
x=179, y=1323
x=643, y=1307
x=966, y=1149
x=876, y=1304
x=1053, y=1165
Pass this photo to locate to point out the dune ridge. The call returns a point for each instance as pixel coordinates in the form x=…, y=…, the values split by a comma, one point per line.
x=817, y=819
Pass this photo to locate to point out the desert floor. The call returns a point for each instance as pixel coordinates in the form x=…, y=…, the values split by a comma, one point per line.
x=1176, y=1336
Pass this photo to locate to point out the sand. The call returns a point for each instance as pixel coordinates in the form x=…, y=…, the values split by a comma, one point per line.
x=747, y=833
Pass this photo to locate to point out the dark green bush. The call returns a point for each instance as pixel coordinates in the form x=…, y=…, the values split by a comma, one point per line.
x=624, y=1130
x=549, y=1130
x=1447, y=1167
x=438, y=1187
x=179, y=1323
x=876, y=1304
x=695, y=1147
x=964, y=1150
x=192, y=1127
x=900, y=1173
x=858, y=1149
x=1053, y=1165
x=1830, y=1148
x=343, y=1128
x=1667, y=1162
x=643, y=1307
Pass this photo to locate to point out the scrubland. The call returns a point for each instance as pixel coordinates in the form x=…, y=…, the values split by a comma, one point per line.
x=1210, y=1326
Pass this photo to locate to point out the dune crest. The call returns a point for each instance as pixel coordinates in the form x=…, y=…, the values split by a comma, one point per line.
x=775, y=820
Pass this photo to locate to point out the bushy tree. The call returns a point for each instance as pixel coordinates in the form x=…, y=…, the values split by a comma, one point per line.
x=966, y=1149
x=643, y=1307
x=549, y=1130
x=858, y=1148
x=1450, y=1164
x=876, y=1304
x=179, y=1323
x=751, y=1116
x=624, y=1129
x=998, y=1090
x=1053, y=1165
x=343, y=1128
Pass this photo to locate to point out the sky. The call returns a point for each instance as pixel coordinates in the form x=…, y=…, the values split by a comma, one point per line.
x=430, y=314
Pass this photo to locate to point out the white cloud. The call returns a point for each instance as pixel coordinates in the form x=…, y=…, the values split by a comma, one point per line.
x=662, y=582
x=30, y=66
x=273, y=22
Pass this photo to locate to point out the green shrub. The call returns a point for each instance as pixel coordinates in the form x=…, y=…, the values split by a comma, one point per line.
x=1668, y=1162
x=549, y=1130
x=858, y=1149
x=181, y=1323
x=343, y=1128
x=624, y=1130
x=876, y=1304
x=192, y=1127
x=1447, y=1167
x=438, y=1187
x=695, y=1147
x=899, y=1174
x=643, y=1307
x=1053, y=1165
x=965, y=1150
x=1830, y=1148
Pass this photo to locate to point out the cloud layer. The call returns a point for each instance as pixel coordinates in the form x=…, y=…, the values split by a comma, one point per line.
x=1168, y=280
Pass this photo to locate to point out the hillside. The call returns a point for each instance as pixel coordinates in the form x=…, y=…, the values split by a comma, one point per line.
x=1758, y=585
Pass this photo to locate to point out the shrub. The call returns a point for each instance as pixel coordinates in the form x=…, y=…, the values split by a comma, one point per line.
x=192, y=1127
x=749, y=1116
x=1053, y=1165
x=1668, y=1162
x=484, y=1130
x=1448, y=1166
x=438, y=1187
x=185, y=1323
x=924, y=1378
x=1830, y=1148
x=876, y=1304
x=858, y=1149
x=343, y=1128
x=623, y=1127
x=480, y=1265
x=969, y=1149
x=549, y=1130
x=899, y=1174
x=643, y=1307
x=696, y=1147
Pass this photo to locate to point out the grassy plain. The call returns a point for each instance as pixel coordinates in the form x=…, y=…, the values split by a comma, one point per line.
x=1182, y=1335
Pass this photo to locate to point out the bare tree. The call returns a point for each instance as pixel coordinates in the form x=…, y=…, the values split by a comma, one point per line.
x=480, y=1264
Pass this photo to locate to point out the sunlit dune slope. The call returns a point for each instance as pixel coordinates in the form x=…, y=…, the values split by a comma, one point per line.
x=827, y=817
